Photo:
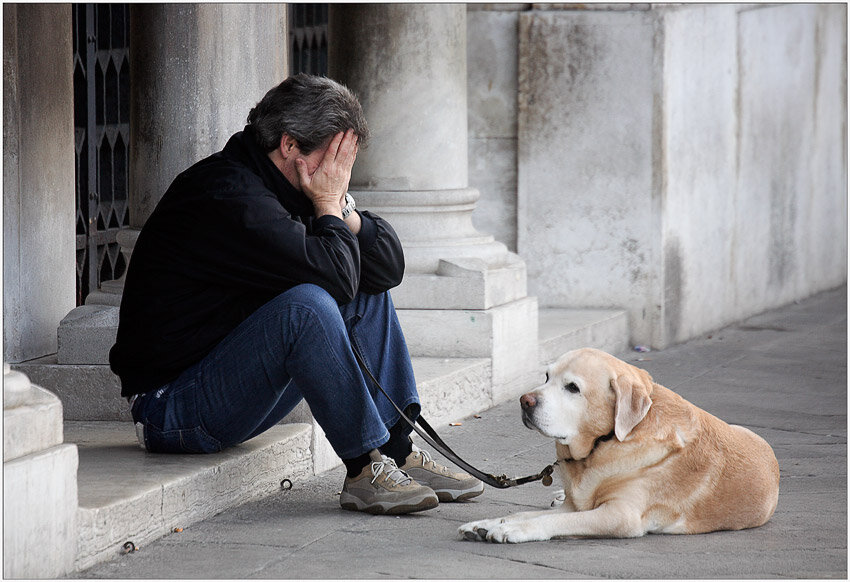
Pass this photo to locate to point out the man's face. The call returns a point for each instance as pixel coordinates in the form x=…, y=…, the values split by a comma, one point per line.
x=313, y=160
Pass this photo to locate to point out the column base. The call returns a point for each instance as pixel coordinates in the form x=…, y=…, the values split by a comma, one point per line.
x=39, y=483
x=463, y=283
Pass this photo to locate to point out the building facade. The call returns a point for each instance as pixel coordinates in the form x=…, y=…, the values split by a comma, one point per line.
x=685, y=163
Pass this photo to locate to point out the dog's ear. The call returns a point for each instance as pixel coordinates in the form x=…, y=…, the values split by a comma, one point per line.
x=632, y=390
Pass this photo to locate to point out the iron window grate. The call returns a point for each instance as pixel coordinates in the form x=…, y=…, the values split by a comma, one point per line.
x=102, y=137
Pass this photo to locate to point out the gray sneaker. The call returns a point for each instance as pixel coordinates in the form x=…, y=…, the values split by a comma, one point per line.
x=448, y=485
x=383, y=488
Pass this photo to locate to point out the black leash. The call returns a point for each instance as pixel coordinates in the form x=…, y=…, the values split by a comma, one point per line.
x=432, y=438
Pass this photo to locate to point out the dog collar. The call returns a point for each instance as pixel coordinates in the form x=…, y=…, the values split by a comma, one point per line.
x=601, y=439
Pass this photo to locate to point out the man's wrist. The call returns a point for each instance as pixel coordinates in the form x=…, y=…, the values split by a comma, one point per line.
x=324, y=209
x=353, y=222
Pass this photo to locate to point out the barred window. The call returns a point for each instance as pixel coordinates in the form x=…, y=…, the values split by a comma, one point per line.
x=308, y=38
x=102, y=136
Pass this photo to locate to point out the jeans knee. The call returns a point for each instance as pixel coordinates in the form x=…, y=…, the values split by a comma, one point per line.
x=312, y=295
x=312, y=300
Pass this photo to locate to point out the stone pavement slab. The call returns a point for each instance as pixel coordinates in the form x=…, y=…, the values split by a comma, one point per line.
x=783, y=374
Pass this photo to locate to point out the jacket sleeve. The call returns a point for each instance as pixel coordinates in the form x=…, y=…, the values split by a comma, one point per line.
x=381, y=255
x=260, y=246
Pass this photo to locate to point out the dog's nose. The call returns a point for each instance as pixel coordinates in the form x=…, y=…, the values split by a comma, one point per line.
x=528, y=401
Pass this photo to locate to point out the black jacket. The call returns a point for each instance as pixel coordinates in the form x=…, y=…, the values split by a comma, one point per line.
x=230, y=234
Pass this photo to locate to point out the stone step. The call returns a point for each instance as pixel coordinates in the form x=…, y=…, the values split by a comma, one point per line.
x=93, y=392
x=452, y=388
x=562, y=330
x=87, y=391
x=126, y=494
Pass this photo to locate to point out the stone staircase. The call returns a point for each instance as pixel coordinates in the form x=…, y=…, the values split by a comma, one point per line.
x=126, y=494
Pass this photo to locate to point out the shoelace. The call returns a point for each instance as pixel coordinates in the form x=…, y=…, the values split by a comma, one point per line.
x=426, y=458
x=394, y=473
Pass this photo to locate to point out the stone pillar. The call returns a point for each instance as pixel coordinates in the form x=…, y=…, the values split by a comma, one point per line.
x=192, y=87
x=38, y=177
x=463, y=292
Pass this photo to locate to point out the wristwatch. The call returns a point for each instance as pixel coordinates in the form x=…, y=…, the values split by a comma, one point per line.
x=349, y=206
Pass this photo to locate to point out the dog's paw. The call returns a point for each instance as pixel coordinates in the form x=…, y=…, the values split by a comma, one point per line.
x=501, y=531
x=477, y=530
x=511, y=532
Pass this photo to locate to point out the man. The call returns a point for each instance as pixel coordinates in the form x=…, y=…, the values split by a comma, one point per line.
x=249, y=287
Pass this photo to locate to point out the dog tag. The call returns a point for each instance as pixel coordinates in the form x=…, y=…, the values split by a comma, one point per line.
x=547, y=480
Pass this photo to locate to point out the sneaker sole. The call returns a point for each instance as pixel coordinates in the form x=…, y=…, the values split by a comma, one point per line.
x=352, y=503
x=449, y=495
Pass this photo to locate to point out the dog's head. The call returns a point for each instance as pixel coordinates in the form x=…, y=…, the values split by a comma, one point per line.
x=587, y=394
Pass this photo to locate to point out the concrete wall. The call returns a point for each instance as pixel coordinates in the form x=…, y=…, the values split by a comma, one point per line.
x=685, y=162
x=755, y=134
x=588, y=198
x=492, y=117
x=197, y=70
x=38, y=178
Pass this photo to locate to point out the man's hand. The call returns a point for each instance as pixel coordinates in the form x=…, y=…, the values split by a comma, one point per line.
x=327, y=185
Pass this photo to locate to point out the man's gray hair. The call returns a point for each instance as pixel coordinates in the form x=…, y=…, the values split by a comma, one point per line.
x=309, y=109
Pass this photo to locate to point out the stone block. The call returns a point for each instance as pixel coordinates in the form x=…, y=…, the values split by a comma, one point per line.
x=32, y=425
x=562, y=330
x=588, y=198
x=324, y=456
x=87, y=334
x=452, y=388
x=507, y=334
x=463, y=283
x=87, y=392
x=128, y=494
x=40, y=513
x=105, y=297
x=685, y=162
x=792, y=160
x=515, y=349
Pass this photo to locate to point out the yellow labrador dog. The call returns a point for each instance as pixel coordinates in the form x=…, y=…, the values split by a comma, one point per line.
x=635, y=457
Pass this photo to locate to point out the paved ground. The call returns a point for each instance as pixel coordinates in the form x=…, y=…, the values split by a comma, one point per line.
x=783, y=374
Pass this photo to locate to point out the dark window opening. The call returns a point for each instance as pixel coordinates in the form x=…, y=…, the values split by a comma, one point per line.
x=308, y=38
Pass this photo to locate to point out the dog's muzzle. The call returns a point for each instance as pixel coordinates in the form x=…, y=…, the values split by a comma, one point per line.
x=528, y=402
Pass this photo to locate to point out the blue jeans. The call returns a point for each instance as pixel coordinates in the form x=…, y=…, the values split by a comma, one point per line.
x=298, y=345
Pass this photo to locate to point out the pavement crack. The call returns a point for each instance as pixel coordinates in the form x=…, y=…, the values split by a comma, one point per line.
x=532, y=563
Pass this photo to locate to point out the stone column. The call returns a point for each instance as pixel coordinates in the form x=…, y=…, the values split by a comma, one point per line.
x=191, y=89
x=463, y=291
x=38, y=177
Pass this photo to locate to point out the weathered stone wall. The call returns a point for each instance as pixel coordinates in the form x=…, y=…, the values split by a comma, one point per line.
x=755, y=172
x=492, y=118
x=685, y=162
x=588, y=198
x=38, y=177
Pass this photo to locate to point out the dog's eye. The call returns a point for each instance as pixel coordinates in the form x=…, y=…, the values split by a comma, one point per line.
x=572, y=388
x=547, y=377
